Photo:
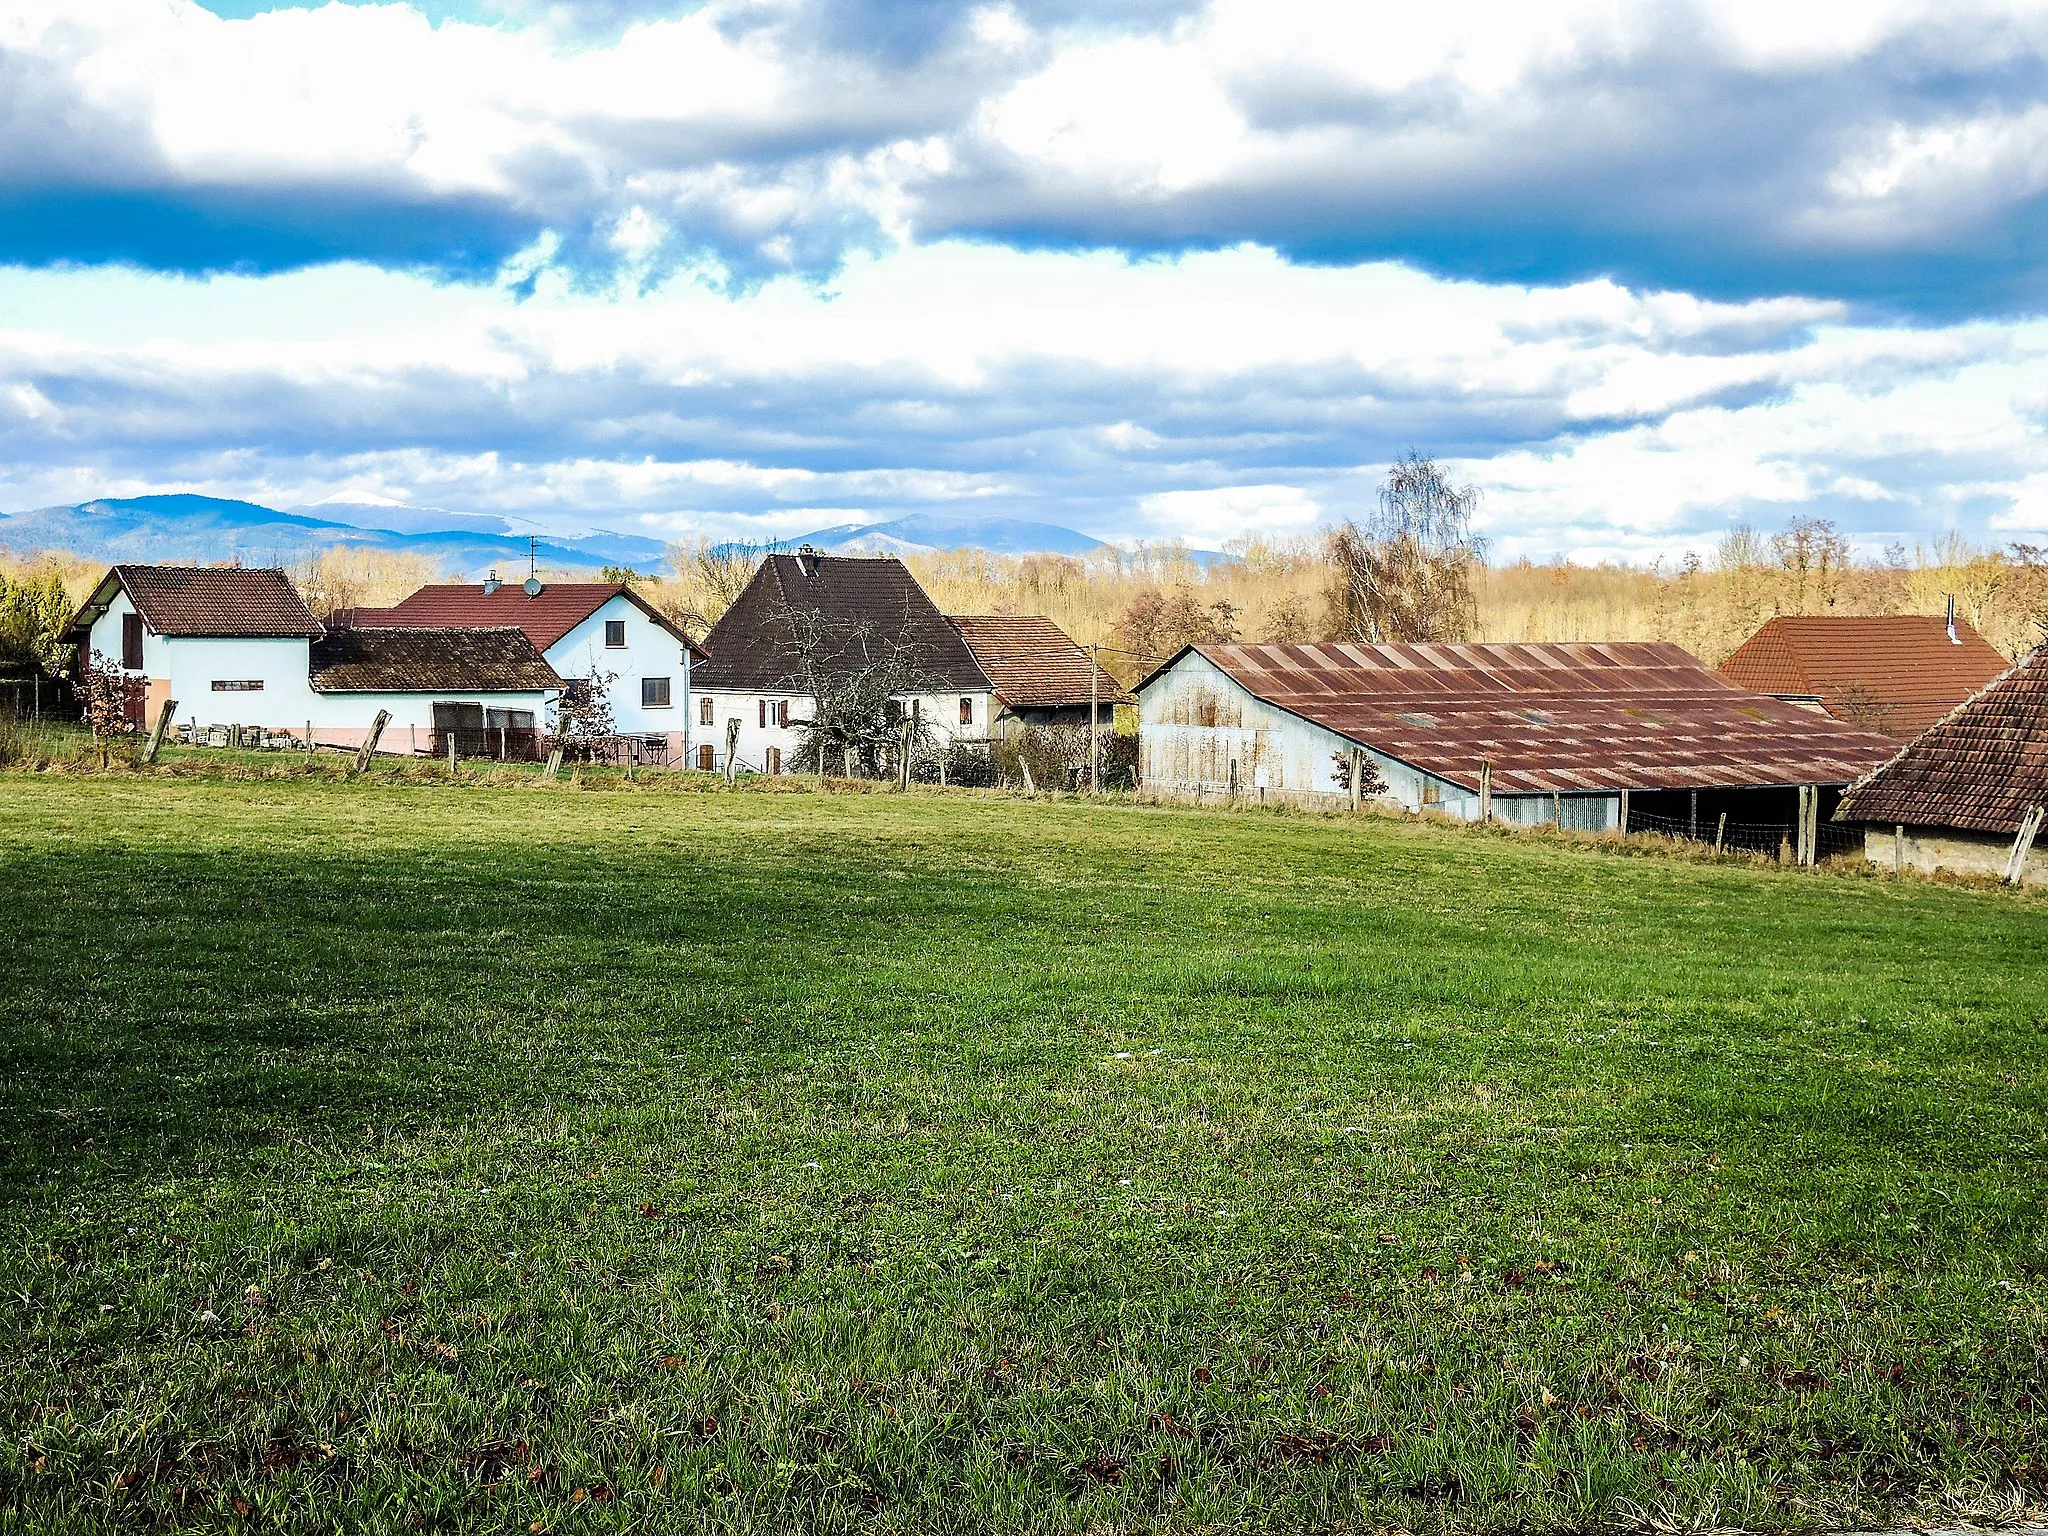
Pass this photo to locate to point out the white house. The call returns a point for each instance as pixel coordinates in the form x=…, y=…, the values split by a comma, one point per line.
x=747, y=671
x=587, y=630
x=1578, y=735
x=239, y=647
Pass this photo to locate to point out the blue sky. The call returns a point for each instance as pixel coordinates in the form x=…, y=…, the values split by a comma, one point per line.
x=1159, y=269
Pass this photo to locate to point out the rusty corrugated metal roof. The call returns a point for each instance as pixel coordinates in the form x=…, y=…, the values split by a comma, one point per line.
x=1902, y=666
x=1552, y=717
x=1981, y=768
x=1032, y=663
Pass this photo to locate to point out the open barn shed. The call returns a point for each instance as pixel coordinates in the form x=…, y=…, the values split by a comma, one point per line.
x=1584, y=736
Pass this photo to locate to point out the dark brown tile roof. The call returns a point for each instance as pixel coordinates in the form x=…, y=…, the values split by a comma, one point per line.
x=1563, y=717
x=1980, y=768
x=183, y=600
x=746, y=646
x=1903, y=664
x=429, y=661
x=546, y=616
x=1032, y=662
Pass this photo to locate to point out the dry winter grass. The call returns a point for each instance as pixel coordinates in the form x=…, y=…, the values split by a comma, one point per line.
x=402, y=1156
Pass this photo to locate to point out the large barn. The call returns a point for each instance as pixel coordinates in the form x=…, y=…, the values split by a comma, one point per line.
x=1968, y=795
x=1560, y=734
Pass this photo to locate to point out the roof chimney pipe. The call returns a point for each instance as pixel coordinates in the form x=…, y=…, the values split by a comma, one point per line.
x=1952, y=637
x=491, y=582
x=807, y=557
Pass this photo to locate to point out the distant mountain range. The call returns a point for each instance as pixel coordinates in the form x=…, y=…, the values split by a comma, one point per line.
x=184, y=527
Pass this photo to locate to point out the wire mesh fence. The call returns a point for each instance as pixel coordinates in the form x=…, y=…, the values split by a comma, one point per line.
x=1778, y=840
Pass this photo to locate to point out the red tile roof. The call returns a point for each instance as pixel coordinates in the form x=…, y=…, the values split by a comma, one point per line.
x=1897, y=674
x=556, y=609
x=186, y=601
x=1032, y=662
x=1981, y=768
x=1551, y=718
x=429, y=661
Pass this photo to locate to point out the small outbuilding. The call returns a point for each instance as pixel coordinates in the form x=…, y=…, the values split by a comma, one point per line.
x=1895, y=674
x=1968, y=794
x=1596, y=737
x=1039, y=675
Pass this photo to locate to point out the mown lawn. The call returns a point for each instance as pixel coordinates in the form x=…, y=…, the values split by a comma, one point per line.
x=509, y=1159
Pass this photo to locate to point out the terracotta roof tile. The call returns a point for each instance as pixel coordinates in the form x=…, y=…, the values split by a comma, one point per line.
x=556, y=609
x=1552, y=718
x=187, y=601
x=1980, y=768
x=1902, y=666
x=1032, y=663
x=429, y=661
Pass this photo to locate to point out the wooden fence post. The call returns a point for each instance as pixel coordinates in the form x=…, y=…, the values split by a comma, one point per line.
x=369, y=746
x=156, y=732
x=2022, y=846
x=1898, y=852
x=554, y=766
x=1720, y=831
x=451, y=752
x=903, y=766
x=1557, y=810
x=1485, y=793
x=1624, y=813
x=1358, y=777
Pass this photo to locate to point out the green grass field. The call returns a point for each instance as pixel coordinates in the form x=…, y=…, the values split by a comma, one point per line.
x=407, y=1157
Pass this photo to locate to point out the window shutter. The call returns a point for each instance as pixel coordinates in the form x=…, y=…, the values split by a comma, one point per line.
x=131, y=641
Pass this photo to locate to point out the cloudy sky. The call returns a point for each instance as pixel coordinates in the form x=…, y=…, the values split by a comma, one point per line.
x=1146, y=269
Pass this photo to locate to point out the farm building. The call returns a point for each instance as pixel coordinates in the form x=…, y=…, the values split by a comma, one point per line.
x=1895, y=675
x=586, y=630
x=748, y=673
x=1038, y=675
x=239, y=648
x=1529, y=734
x=1967, y=794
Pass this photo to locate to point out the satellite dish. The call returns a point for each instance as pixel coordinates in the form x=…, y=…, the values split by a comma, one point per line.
x=533, y=586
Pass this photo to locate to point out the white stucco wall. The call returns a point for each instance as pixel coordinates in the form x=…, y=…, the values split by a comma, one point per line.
x=649, y=651
x=1953, y=851
x=940, y=711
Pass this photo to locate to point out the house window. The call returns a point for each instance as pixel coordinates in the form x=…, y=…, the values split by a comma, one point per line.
x=705, y=707
x=782, y=714
x=764, y=712
x=705, y=760
x=131, y=642
x=238, y=685
x=967, y=710
x=774, y=759
x=615, y=634
x=654, y=693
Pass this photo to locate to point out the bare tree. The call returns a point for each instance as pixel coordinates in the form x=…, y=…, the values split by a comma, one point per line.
x=856, y=675
x=111, y=698
x=1405, y=575
x=583, y=714
x=709, y=577
x=1812, y=553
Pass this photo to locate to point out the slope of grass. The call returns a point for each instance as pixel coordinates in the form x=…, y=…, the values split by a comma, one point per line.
x=425, y=1157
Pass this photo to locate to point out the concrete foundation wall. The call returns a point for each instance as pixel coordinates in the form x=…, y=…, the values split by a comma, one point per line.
x=1950, y=850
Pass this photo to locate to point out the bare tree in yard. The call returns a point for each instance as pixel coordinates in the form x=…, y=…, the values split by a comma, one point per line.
x=1406, y=574
x=583, y=715
x=1858, y=706
x=708, y=577
x=111, y=698
x=855, y=675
